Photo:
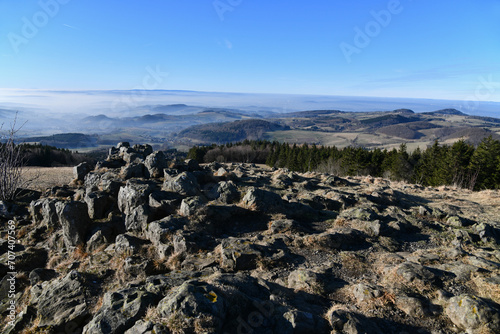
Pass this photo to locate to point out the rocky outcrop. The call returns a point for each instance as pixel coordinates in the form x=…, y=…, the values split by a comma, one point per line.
x=144, y=245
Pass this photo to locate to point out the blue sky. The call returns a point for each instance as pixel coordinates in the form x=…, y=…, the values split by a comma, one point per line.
x=447, y=49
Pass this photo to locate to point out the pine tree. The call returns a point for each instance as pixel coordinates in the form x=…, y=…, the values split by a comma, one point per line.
x=484, y=161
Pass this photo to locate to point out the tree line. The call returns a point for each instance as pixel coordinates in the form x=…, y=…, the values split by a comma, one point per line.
x=460, y=164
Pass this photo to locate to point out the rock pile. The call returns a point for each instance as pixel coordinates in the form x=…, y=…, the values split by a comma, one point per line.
x=140, y=244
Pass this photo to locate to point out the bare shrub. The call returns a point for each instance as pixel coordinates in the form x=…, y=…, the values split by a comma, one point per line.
x=11, y=163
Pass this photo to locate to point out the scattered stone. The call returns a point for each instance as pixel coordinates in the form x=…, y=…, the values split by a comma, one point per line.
x=473, y=314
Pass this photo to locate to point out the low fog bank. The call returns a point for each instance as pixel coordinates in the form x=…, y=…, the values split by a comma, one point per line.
x=47, y=112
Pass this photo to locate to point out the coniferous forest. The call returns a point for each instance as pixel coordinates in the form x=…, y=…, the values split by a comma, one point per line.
x=461, y=164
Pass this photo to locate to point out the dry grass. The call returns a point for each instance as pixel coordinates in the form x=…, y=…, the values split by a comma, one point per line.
x=47, y=177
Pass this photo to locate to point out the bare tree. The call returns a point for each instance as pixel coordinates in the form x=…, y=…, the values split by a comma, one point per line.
x=11, y=163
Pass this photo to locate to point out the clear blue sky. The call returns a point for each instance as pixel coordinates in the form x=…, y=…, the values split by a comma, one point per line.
x=447, y=49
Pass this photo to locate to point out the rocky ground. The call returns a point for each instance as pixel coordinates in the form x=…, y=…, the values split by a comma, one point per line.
x=140, y=245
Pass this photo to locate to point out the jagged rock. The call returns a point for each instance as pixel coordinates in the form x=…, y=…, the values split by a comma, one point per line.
x=283, y=225
x=41, y=275
x=191, y=205
x=110, y=183
x=147, y=327
x=161, y=233
x=60, y=302
x=238, y=254
x=155, y=164
x=192, y=165
x=127, y=244
x=120, y=311
x=412, y=306
x=364, y=214
x=136, y=266
x=224, y=192
x=304, y=323
x=138, y=219
x=75, y=221
x=339, y=238
x=44, y=212
x=92, y=181
x=134, y=194
x=366, y=292
x=415, y=273
x=99, y=204
x=473, y=314
x=164, y=203
x=192, y=305
x=305, y=280
x=80, y=171
x=31, y=258
x=487, y=233
x=262, y=200
x=96, y=240
x=133, y=169
x=184, y=184
x=351, y=322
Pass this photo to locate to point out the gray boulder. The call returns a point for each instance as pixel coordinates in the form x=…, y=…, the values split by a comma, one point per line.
x=131, y=170
x=224, y=191
x=44, y=212
x=339, y=238
x=473, y=314
x=138, y=219
x=192, y=305
x=120, y=311
x=60, y=302
x=75, y=221
x=344, y=321
x=190, y=205
x=184, y=184
x=161, y=232
x=80, y=171
x=262, y=200
x=238, y=254
x=305, y=280
x=155, y=164
x=99, y=204
x=133, y=194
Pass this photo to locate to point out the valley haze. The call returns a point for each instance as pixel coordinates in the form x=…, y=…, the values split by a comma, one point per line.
x=46, y=112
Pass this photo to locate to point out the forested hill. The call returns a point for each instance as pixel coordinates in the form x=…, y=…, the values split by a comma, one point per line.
x=230, y=132
x=460, y=164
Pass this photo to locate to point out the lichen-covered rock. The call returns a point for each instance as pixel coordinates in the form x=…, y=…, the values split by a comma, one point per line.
x=338, y=238
x=134, y=194
x=305, y=280
x=133, y=170
x=473, y=314
x=224, y=192
x=81, y=170
x=262, y=200
x=184, y=184
x=238, y=254
x=75, y=221
x=60, y=302
x=190, y=205
x=155, y=164
x=99, y=204
x=192, y=305
x=344, y=321
x=120, y=310
x=44, y=212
